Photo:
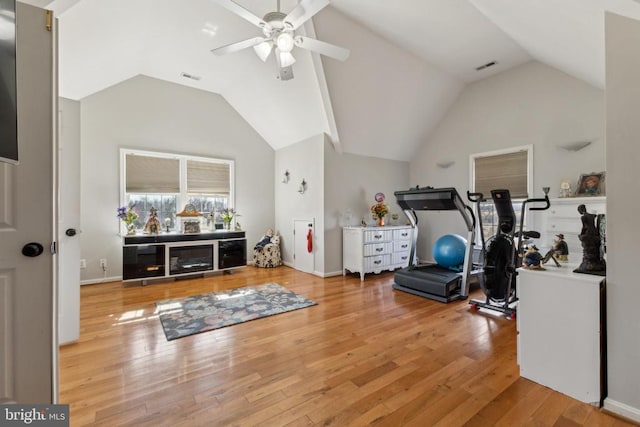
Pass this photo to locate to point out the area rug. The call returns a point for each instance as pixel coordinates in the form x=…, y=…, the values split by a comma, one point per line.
x=199, y=313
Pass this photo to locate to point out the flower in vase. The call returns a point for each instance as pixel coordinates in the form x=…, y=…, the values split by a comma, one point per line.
x=227, y=216
x=380, y=209
x=127, y=214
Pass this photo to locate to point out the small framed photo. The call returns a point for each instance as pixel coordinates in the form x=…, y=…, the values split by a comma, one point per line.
x=591, y=184
x=190, y=227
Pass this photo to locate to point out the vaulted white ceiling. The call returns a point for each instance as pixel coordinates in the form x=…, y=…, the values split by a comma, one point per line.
x=409, y=58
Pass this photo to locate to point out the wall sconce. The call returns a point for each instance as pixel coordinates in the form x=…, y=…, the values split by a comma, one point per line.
x=445, y=164
x=574, y=146
x=285, y=178
x=303, y=186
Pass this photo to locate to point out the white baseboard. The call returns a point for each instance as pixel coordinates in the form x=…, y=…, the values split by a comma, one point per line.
x=622, y=409
x=101, y=280
x=329, y=274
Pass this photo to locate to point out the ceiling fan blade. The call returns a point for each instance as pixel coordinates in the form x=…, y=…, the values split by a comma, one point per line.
x=285, y=73
x=243, y=13
x=234, y=47
x=324, y=48
x=303, y=11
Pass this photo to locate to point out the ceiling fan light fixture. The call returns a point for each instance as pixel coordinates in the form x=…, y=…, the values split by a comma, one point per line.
x=286, y=59
x=263, y=50
x=285, y=42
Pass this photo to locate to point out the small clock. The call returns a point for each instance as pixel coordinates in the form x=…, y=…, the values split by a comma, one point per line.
x=189, y=210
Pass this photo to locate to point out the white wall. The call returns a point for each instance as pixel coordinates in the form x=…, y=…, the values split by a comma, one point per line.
x=530, y=104
x=150, y=114
x=382, y=94
x=351, y=181
x=303, y=160
x=623, y=157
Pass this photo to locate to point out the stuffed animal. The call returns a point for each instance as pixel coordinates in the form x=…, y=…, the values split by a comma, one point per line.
x=532, y=258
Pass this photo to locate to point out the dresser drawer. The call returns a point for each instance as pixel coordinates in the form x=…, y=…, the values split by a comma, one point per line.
x=378, y=249
x=375, y=236
x=401, y=246
x=401, y=258
x=377, y=263
x=402, y=234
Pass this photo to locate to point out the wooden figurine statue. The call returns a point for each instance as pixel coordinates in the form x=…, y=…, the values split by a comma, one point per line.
x=592, y=261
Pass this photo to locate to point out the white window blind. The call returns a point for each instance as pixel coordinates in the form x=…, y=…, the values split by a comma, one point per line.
x=502, y=171
x=208, y=177
x=147, y=174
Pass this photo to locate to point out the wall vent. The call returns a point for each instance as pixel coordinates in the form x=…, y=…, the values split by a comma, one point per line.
x=190, y=76
x=487, y=65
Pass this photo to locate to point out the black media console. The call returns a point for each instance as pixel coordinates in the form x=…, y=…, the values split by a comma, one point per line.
x=148, y=256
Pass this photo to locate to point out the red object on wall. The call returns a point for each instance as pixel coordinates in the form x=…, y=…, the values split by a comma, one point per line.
x=309, y=241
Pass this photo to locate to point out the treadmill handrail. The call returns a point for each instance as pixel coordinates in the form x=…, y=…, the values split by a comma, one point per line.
x=435, y=199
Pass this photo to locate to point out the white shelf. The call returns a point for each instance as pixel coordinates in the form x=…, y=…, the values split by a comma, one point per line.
x=559, y=327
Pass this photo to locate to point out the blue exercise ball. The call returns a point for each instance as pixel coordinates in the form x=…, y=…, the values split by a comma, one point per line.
x=449, y=250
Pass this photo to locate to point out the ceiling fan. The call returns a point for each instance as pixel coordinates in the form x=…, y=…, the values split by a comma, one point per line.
x=279, y=35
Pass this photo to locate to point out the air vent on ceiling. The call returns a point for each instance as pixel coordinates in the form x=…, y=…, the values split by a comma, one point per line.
x=190, y=76
x=487, y=65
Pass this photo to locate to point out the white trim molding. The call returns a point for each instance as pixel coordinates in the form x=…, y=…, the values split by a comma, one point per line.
x=622, y=409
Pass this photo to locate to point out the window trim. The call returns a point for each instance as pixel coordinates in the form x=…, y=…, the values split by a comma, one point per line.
x=182, y=196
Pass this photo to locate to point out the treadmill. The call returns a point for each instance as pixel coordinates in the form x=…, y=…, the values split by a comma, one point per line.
x=430, y=280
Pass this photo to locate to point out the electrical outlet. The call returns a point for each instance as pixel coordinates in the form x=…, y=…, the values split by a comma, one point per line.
x=83, y=263
x=103, y=263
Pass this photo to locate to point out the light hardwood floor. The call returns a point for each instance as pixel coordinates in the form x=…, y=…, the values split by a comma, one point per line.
x=365, y=355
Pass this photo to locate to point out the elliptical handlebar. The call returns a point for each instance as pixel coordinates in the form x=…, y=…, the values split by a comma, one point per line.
x=475, y=197
x=547, y=205
x=540, y=208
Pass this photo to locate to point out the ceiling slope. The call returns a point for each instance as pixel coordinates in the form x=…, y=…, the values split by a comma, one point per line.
x=409, y=58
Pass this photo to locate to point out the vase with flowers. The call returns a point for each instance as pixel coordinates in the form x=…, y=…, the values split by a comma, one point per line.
x=227, y=216
x=128, y=216
x=379, y=210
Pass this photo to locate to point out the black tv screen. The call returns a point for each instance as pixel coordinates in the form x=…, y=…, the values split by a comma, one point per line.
x=8, y=112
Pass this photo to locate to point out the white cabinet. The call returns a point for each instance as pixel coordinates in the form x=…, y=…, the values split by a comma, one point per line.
x=560, y=330
x=563, y=217
x=375, y=249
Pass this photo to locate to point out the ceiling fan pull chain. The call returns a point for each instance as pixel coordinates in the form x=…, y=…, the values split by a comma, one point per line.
x=278, y=5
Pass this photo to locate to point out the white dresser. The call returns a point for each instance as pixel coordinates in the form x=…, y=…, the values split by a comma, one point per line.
x=375, y=249
x=563, y=217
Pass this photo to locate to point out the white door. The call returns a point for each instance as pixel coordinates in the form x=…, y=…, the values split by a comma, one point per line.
x=302, y=256
x=28, y=353
x=69, y=222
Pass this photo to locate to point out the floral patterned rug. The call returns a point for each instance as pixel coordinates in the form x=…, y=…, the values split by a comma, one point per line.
x=199, y=313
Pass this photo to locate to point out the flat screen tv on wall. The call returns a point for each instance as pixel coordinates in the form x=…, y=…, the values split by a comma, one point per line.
x=8, y=111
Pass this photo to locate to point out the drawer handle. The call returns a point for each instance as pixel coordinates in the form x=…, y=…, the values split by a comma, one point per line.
x=403, y=258
x=378, y=236
x=379, y=249
x=404, y=234
x=377, y=262
x=404, y=246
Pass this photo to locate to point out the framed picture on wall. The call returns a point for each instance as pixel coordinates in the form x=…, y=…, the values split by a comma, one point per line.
x=591, y=184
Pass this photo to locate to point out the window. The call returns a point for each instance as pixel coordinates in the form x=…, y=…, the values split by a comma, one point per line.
x=505, y=169
x=167, y=182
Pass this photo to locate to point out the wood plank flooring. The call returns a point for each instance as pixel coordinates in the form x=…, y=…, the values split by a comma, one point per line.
x=365, y=355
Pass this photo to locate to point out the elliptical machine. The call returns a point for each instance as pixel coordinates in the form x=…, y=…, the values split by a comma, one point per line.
x=500, y=261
